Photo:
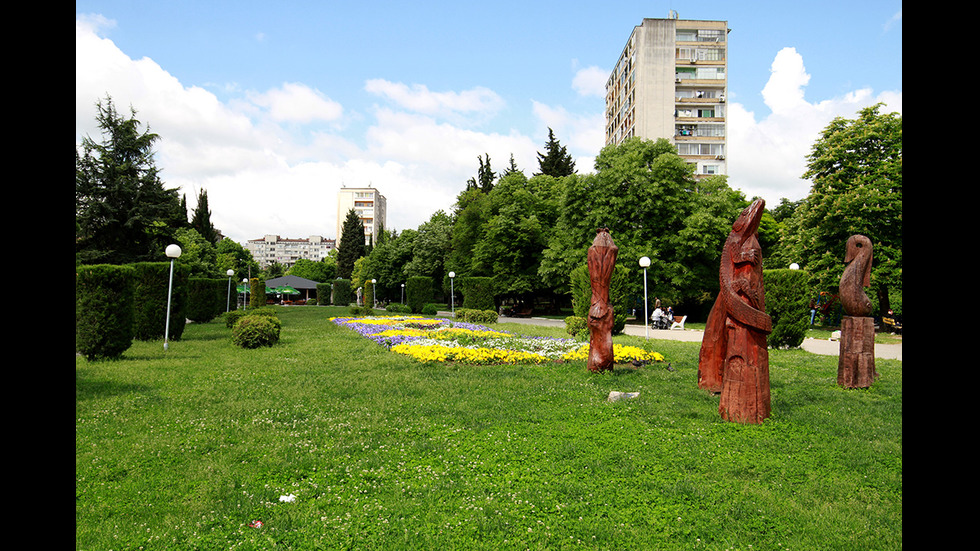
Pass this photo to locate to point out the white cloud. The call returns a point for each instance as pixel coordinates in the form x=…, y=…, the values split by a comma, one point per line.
x=419, y=99
x=295, y=102
x=767, y=157
x=591, y=81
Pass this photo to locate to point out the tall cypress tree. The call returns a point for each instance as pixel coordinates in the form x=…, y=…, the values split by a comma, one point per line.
x=201, y=220
x=351, y=244
x=557, y=162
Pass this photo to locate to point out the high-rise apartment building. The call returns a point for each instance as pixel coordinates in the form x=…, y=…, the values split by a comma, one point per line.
x=371, y=207
x=670, y=82
x=273, y=248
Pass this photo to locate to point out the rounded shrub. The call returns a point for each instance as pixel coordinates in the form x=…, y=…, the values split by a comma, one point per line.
x=104, y=310
x=254, y=331
x=398, y=308
x=482, y=317
x=233, y=316
x=577, y=327
x=430, y=309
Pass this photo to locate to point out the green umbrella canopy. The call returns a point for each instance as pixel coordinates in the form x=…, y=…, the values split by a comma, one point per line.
x=285, y=290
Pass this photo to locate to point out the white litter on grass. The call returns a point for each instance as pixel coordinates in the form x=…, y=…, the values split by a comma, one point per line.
x=614, y=395
x=288, y=499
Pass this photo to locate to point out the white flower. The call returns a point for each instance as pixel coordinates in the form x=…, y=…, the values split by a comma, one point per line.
x=289, y=498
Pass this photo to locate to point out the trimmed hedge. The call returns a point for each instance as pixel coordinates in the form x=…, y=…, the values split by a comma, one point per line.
x=206, y=298
x=418, y=293
x=618, y=294
x=104, y=310
x=343, y=293
x=470, y=315
x=323, y=292
x=151, y=283
x=787, y=303
x=478, y=293
x=256, y=291
x=398, y=308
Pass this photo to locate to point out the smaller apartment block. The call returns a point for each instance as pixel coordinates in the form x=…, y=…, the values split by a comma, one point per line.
x=273, y=248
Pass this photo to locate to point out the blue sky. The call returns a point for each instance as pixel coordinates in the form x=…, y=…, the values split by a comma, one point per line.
x=292, y=100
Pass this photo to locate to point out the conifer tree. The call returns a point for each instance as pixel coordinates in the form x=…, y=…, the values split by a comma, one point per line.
x=123, y=213
x=201, y=220
x=351, y=245
x=557, y=162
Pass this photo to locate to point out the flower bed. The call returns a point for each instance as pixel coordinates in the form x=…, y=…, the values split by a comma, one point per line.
x=442, y=340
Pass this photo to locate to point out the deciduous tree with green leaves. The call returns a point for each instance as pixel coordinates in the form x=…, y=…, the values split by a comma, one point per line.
x=856, y=170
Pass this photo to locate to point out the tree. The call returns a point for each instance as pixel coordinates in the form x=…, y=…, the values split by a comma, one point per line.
x=351, y=245
x=856, y=169
x=321, y=272
x=557, y=162
x=231, y=255
x=648, y=198
x=201, y=220
x=199, y=254
x=123, y=213
x=484, y=176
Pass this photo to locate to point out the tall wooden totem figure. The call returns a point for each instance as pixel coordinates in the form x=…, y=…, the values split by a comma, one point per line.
x=856, y=361
x=601, y=259
x=734, y=357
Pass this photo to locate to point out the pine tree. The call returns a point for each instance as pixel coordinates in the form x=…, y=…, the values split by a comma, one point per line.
x=557, y=162
x=123, y=213
x=351, y=245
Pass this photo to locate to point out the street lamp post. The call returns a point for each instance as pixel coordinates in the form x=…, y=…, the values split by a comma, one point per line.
x=173, y=252
x=374, y=292
x=452, y=292
x=403, y=293
x=228, y=300
x=245, y=293
x=645, y=263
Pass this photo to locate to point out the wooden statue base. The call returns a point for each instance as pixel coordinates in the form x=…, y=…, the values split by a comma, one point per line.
x=856, y=363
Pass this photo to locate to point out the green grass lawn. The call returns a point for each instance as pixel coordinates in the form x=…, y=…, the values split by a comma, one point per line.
x=185, y=449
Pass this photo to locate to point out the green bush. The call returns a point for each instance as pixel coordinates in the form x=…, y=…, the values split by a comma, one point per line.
x=254, y=331
x=152, y=282
x=206, y=298
x=618, y=294
x=398, y=308
x=104, y=310
x=233, y=316
x=430, y=309
x=256, y=292
x=482, y=317
x=361, y=311
x=787, y=303
x=478, y=293
x=577, y=327
x=343, y=293
x=418, y=292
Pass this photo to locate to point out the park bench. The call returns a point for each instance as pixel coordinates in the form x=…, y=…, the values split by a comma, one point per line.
x=892, y=324
x=678, y=322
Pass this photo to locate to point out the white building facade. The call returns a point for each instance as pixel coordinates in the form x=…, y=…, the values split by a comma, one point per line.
x=371, y=207
x=670, y=82
x=273, y=248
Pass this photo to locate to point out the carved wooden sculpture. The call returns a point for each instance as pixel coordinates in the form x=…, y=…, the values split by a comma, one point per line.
x=734, y=357
x=856, y=361
x=601, y=259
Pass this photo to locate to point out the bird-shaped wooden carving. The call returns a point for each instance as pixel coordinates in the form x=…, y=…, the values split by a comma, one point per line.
x=856, y=276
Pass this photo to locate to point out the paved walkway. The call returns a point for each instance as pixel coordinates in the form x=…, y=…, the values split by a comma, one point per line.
x=816, y=346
